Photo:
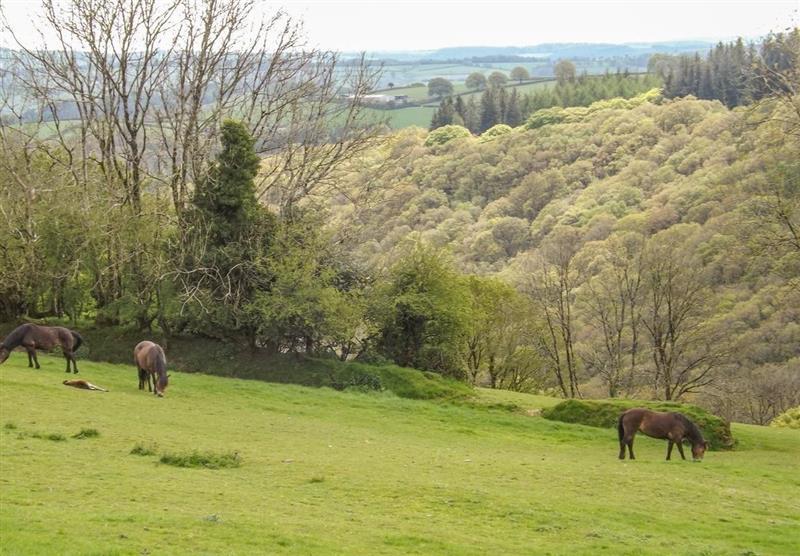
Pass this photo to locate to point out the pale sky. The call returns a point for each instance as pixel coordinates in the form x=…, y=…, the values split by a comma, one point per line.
x=420, y=25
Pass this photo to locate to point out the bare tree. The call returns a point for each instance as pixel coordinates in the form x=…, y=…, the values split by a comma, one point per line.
x=552, y=280
x=685, y=349
x=611, y=302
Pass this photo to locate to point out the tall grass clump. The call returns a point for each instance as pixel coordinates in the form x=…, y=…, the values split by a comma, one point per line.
x=209, y=460
x=143, y=450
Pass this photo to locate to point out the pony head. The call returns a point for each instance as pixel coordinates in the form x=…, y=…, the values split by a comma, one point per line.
x=699, y=450
x=4, y=353
x=161, y=384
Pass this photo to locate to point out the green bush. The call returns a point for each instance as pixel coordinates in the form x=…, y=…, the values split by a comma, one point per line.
x=789, y=419
x=605, y=414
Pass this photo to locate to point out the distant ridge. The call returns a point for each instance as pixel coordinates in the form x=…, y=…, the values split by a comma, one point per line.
x=549, y=50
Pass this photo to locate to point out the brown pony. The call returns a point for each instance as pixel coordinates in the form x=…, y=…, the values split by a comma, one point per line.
x=673, y=427
x=151, y=362
x=33, y=337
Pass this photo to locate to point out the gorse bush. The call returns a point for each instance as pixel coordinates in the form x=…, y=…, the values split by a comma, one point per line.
x=606, y=413
x=789, y=419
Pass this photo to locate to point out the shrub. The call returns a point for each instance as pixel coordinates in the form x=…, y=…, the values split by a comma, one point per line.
x=605, y=413
x=87, y=433
x=209, y=460
x=789, y=419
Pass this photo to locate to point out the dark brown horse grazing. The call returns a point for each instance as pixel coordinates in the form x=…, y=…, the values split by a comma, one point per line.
x=673, y=427
x=151, y=362
x=33, y=337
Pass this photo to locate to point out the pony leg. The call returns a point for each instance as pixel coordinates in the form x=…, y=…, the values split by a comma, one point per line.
x=621, y=449
x=30, y=358
x=66, y=356
x=680, y=448
x=630, y=447
x=35, y=359
x=669, y=449
x=74, y=362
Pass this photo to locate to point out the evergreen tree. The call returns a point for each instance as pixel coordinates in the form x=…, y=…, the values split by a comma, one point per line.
x=489, y=110
x=472, y=115
x=513, y=111
x=226, y=197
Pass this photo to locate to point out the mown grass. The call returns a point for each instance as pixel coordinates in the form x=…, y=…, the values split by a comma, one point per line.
x=330, y=472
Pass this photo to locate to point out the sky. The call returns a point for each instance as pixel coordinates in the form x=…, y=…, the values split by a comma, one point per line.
x=421, y=25
x=381, y=25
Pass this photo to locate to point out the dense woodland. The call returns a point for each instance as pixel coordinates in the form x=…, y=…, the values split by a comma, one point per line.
x=643, y=247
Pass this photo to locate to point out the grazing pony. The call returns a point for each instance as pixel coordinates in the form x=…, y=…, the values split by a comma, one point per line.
x=33, y=337
x=673, y=427
x=151, y=362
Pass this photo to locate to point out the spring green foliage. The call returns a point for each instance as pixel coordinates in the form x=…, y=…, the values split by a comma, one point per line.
x=605, y=414
x=788, y=419
x=473, y=480
x=442, y=135
x=652, y=191
x=495, y=131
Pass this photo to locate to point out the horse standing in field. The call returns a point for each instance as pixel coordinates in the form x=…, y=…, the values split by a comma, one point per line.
x=673, y=427
x=33, y=337
x=151, y=362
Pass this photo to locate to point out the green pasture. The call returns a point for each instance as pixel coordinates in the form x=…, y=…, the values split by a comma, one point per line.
x=318, y=471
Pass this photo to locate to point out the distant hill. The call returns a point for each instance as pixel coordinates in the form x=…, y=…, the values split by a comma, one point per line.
x=546, y=50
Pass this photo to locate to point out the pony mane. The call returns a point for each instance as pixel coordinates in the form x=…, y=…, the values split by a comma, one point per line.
x=692, y=431
x=161, y=367
x=14, y=337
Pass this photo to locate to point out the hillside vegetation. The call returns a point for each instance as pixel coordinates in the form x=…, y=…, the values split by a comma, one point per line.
x=304, y=470
x=592, y=196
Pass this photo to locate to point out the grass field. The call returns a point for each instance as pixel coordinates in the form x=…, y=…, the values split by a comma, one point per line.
x=327, y=472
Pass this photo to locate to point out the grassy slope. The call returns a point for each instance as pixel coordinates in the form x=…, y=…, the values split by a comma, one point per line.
x=343, y=473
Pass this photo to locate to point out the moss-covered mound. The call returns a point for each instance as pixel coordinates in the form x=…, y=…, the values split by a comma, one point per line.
x=605, y=413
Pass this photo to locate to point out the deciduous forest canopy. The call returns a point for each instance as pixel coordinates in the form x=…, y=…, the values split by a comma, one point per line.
x=613, y=236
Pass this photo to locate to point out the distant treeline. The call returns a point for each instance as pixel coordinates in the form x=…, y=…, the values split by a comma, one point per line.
x=733, y=73
x=498, y=106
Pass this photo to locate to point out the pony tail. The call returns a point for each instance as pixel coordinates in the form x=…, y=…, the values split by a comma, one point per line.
x=78, y=340
x=620, y=428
